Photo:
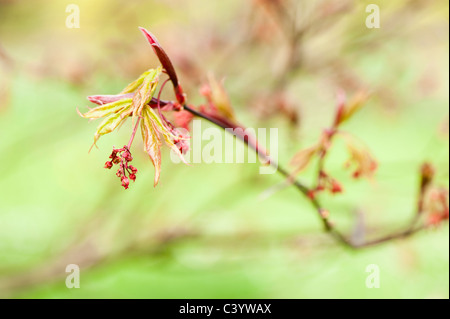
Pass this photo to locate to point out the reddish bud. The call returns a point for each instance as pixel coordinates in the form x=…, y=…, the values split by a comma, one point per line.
x=183, y=119
x=133, y=169
x=320, y=188
x=180, y=95
x=336, y=187
x=427, y=172
x=121, y=157
x=167, y=65
x=125, y=182
x=434, y=219
x=127, y=156
x=341, y=101
x=113, y=154
x=445, y=214
x=205, y=90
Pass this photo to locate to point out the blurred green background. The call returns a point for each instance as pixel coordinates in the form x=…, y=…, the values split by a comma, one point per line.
x=206, y=231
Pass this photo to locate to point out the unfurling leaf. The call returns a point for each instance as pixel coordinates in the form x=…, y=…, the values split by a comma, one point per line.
x=169, y=135
x=131, y=87
x=361, y=157
x=107, y=109
x=152, y=144
x=145, y=92
x=111, y=123
x=166, y=63
x=217, y=95
x=301, y=160
x=355, y=104
x=346, y=109
x=105, y=99
x=115, y=114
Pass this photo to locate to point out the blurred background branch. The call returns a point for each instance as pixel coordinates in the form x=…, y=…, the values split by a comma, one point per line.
x=58, y=206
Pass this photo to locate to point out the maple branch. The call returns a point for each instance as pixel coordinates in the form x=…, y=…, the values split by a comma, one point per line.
x=323, y=213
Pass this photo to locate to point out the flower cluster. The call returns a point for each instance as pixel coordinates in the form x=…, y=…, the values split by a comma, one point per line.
x=121, y=157
x=325, y=182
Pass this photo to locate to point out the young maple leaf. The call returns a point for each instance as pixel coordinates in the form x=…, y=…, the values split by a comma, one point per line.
x=137, y=100
x=116, y=112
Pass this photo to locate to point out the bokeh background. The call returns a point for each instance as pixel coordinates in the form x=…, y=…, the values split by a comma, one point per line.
x=206, y=231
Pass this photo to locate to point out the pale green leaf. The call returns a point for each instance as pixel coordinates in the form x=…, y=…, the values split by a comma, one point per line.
x=131, y=87
x=112, y=122
x=107, y=109
x=152, y=144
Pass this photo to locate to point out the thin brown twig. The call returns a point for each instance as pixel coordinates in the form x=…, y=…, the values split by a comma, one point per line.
x=410, y=229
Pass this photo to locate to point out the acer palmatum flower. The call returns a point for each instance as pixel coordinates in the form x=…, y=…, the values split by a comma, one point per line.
x=121, y=157
x=137, y=101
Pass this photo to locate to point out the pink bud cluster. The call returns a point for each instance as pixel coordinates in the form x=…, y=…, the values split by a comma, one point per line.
x=121, y=157
x=326, y=182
